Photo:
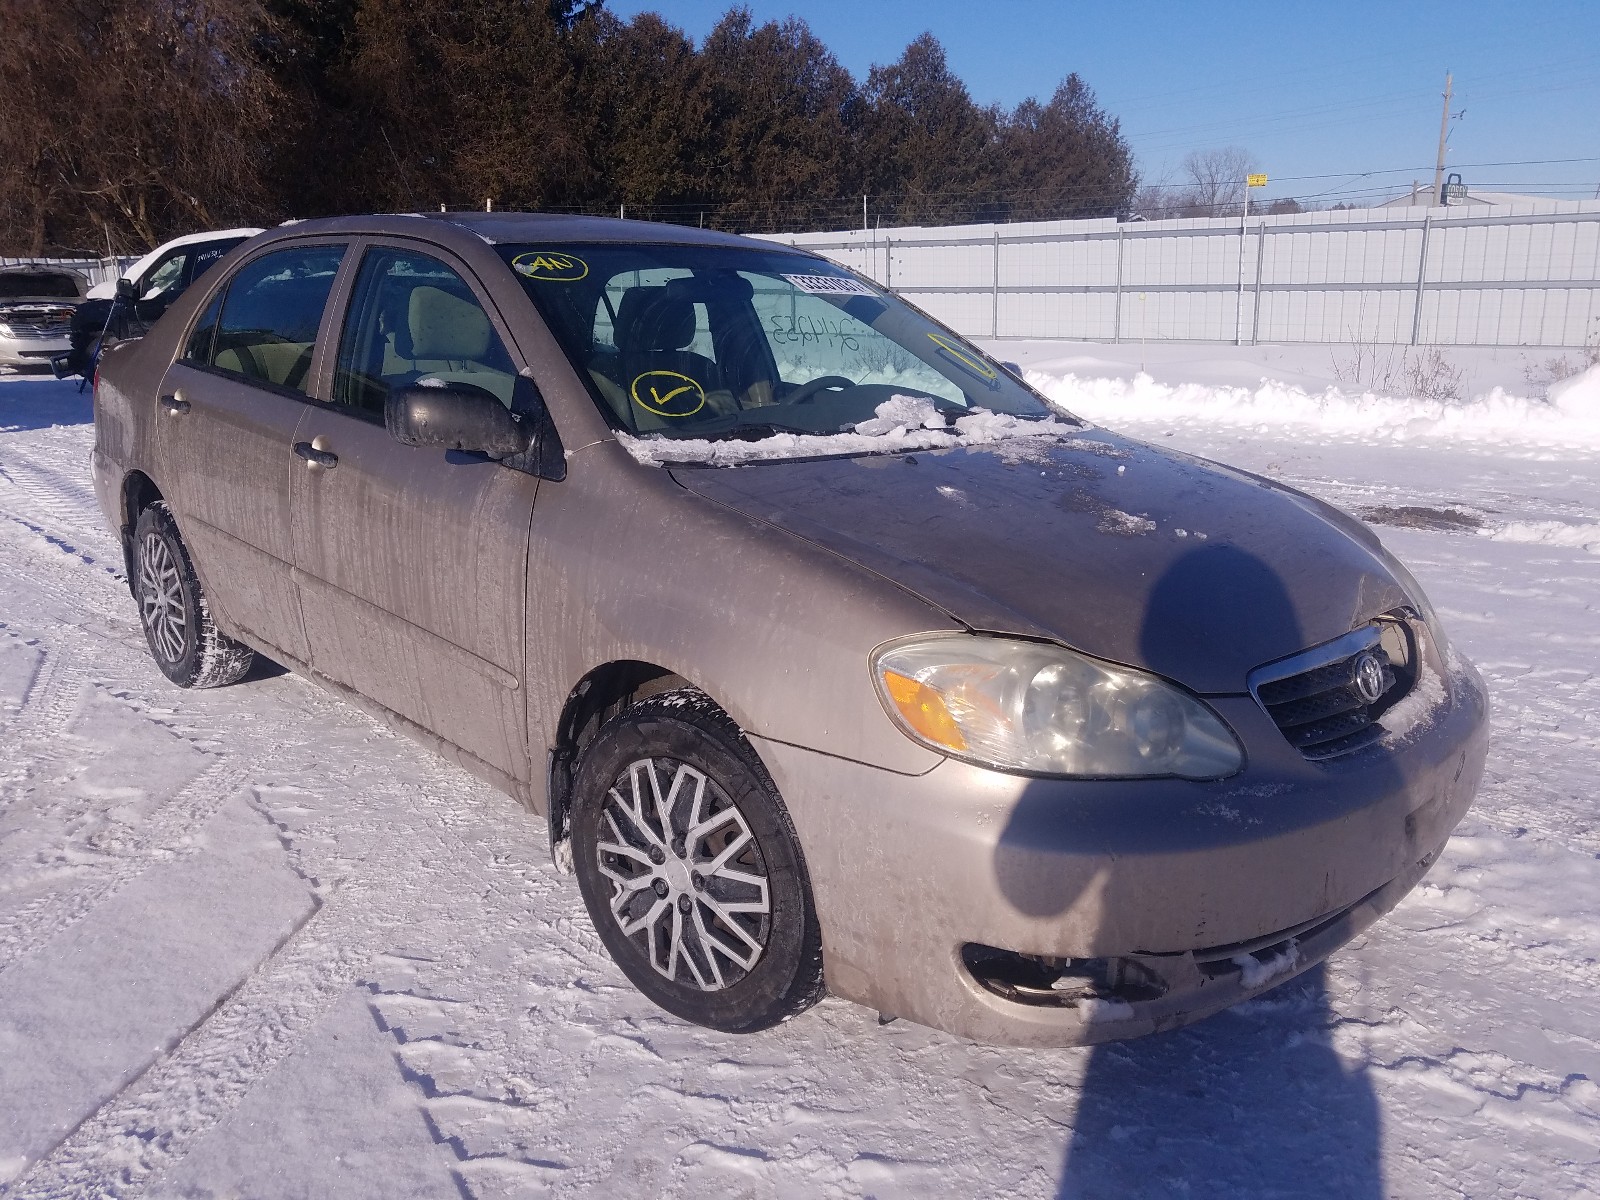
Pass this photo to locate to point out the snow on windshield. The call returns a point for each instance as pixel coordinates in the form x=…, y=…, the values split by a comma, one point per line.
x=899, y=424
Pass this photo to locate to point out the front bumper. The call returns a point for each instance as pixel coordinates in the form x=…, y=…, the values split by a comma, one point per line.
x=31, y=352
x=907, y=871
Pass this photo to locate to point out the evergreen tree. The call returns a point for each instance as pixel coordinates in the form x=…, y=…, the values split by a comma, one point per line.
x=780, y=148
x=641, y=106
x=928, y=153
x=155, y=117
x=1065, y=159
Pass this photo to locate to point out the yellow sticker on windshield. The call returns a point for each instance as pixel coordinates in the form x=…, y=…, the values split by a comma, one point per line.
x=977, y=366
x=668, y=394
x=551, y=266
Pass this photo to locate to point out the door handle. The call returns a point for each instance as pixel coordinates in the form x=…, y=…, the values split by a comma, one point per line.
x=175, y=405
x=315, y=457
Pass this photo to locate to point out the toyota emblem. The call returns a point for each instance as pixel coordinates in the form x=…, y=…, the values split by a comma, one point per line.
x=1370, y=678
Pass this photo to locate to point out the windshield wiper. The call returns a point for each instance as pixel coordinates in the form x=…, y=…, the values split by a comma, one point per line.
x=751, y=431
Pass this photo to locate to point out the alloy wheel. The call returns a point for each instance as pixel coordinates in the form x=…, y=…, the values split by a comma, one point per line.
x=689, y=884
x=161, y=601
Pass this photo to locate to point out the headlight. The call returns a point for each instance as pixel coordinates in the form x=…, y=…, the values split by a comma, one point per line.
x=1045, y=710
x=5, y=330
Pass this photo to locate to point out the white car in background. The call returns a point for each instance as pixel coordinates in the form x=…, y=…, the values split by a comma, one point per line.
x=36, y=307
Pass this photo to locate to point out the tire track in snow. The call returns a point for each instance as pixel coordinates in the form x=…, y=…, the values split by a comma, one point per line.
x=153, y=842
x=53, y=699
x=55, y=496
x=190, y=1086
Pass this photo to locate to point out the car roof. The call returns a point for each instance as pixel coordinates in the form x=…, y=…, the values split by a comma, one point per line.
x=562, y=227
x=517, y=227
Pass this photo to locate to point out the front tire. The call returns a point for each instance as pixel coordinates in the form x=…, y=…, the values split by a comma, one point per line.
x=690, y=867
x=186, y=644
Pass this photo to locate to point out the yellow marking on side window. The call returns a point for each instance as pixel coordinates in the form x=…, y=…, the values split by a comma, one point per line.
x=550, y=266
x=653, y=391
x=976, y=366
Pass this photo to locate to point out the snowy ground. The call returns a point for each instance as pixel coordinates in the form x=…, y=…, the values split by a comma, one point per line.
x=253, y=945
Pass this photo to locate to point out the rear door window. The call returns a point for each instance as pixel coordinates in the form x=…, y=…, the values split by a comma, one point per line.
x=264, y=330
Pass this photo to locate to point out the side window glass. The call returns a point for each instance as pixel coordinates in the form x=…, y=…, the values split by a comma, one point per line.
x=202, y=258
x=198, y=348
x=165, y=278
x=267, y=327
x=411, y=320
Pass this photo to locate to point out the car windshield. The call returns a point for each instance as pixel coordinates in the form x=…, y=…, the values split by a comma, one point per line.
x=39, y=284
x=712, y=342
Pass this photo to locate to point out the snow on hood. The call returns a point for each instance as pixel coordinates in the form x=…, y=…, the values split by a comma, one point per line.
x=900, y=423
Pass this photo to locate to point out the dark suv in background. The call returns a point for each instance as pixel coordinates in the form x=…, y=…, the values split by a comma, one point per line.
x=136, y=301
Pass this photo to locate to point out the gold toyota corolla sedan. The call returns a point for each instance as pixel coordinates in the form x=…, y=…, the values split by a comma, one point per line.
x=833, y=656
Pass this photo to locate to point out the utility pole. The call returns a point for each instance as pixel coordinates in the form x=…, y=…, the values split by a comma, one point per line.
x=1444, y=132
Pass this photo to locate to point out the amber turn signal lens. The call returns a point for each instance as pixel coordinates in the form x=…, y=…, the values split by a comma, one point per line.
x=923, y=710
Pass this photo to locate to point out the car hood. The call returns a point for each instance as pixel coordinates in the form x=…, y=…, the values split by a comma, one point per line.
x=1119, y=549
x=29, y=305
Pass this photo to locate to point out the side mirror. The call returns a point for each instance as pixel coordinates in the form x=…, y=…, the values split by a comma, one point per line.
x=457, y=416
x=127, y=290
x=1013, y=368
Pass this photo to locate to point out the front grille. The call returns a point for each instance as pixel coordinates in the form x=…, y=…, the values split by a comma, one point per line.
x=1317, y=697
x=36, y=324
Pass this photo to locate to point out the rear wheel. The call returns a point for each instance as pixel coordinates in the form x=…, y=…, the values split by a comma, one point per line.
x=187, y=646
x=690, y=867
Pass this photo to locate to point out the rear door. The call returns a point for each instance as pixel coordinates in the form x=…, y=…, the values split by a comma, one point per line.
x=230, y=406
x=413, y=561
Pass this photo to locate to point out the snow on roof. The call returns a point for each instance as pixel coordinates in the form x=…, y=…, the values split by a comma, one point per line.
x=1423, y=197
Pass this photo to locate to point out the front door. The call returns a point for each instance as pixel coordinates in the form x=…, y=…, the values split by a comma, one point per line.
x=413, y=561
x=229, y=408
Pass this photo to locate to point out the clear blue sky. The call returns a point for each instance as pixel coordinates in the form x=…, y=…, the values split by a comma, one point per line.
x=1335, y=91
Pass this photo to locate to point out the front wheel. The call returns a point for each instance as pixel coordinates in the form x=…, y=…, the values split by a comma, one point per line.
x=187, y=646
x=690, y=867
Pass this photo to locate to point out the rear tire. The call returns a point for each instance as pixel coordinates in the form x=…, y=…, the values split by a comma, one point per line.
x=691, y=869
x=187, y=646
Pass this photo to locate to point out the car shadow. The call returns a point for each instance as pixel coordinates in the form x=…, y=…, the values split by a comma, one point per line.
x=1255, y=1100
x=262, y=667
x=32, y=401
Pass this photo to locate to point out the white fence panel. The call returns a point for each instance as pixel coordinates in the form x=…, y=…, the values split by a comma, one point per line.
x=1519, y=276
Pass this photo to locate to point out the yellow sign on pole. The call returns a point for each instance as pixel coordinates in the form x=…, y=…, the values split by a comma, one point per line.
x=1255, y=181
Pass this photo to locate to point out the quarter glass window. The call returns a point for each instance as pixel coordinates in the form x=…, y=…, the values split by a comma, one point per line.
x=414, y=320
x=267, y=328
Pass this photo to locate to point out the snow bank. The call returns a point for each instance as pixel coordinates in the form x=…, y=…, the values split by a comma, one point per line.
x=1570, y=417
x=900, y=423
x=1579, y=396
x=1546, y=533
